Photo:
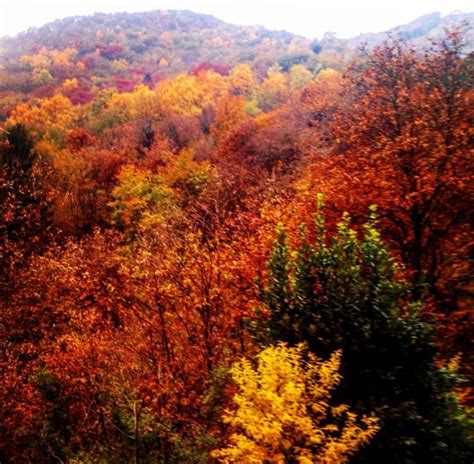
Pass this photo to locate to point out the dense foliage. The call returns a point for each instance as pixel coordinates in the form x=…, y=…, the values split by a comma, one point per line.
x=346, y=295
x=170, y=279
x=283, y=410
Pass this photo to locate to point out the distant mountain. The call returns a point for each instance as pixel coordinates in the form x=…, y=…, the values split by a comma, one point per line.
x=126, y=49
x=179, y=39
x=428, y=26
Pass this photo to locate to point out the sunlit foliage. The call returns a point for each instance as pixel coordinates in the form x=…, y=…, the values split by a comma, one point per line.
x=283, y=411
x=165, y=260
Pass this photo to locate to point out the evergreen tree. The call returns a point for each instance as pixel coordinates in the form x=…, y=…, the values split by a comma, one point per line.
x=346, y=293
x=24, y=212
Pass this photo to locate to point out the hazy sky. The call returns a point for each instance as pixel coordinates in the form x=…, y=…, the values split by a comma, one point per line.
x=306, y=17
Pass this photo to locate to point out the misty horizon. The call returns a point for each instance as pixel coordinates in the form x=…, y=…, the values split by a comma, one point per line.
x=342, y=20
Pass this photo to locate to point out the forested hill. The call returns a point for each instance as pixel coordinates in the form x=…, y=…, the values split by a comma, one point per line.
x=123, y=50
x=419, y=31
x=220, y=244
x=159, y=43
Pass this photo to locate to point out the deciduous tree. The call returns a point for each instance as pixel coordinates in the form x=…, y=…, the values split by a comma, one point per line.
x=283, y=411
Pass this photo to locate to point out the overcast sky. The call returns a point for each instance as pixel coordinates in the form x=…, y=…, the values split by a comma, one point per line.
x=306, y=17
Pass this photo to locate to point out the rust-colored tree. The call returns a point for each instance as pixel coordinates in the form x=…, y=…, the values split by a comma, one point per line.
x=402, y=138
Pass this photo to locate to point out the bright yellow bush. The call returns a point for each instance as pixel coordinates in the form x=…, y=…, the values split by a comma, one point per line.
x=45, y=117
x=243, y=81
x=182, y=95
x=283, y=412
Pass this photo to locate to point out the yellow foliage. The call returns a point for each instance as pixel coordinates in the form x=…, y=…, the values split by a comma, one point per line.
x=188, y=95
x=142, y=200
x=141, y=103
x=70, y=84
x=182, y=95
x=163, y=63
x=51, y=115
x=230, y=110
x=299, y=76
x=44, y=58
x=274, y=90
x=119, y=66
x=186, y=176
x=283, y=411
x=327, y=73
x=62, y=57
x=41, y=76
x=242, y=81
x=37, y=61
x=213, y=84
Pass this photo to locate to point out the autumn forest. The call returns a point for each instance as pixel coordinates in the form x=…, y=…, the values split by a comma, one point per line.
x=224, y=244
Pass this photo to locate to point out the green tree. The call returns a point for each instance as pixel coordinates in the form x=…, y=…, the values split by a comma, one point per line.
x=346, y=293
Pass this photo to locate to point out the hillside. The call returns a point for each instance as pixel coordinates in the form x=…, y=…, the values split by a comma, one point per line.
x=219, y=244
x=123, y=50
x=419, y=31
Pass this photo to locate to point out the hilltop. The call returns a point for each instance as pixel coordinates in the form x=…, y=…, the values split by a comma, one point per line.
x=126, y=49
x=158, y=43
x=419, y=31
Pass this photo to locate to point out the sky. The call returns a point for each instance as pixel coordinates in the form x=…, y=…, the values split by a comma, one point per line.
x=310, y=18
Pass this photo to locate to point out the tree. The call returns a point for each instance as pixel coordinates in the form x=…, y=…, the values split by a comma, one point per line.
x=141, y=200
x=49, y=118
x=242, y=81
x=283, y=411
x=346, y=293
x=58, y=333
x=24, y=209
x=274, y=90
x=230, y=110
x=404, y=141
x=299, y=76
x=182, y=96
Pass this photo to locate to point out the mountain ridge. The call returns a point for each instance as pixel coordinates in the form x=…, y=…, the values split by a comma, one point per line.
x=419, y=27
x=435, y=17
x=123, y=49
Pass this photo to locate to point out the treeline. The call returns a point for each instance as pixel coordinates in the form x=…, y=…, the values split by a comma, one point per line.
x=124, y=50
x=234, y=267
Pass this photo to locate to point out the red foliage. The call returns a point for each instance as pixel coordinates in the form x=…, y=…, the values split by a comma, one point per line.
x=79, y=95
x=89, y=62
x=113, y=341
x=111, y=51
x=123, y=84
x=219, y=68
x=400, y=139
x=79, y=138
x=44, y=91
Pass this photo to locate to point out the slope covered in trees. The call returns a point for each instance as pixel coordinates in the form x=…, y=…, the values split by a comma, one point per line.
x=215, y=247
x=124, y=50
